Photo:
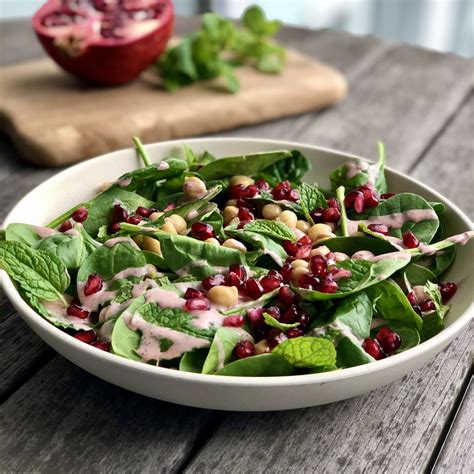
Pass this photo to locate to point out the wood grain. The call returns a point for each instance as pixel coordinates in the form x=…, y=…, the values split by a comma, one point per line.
x=458, y=449
x=65, y=420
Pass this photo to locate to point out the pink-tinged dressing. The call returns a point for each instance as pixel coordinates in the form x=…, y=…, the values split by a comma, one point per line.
x=162, y=165
x=120, y=240
x=44, y=232
x=58, y=310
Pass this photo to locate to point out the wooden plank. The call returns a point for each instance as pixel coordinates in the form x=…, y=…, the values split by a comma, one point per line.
x=458, y=449
x=393, y=429
x=403, y=99
x=65, y=420
x=448, y=165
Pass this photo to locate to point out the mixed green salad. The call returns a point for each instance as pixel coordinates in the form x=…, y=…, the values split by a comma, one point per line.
x=236, y=266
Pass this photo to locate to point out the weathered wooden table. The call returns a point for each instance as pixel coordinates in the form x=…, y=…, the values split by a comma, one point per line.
x=55, y=417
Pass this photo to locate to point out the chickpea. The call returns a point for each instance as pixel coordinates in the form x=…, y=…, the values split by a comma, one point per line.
x=234, y=244
x=194, y=188
x=243, y=180
x=322, y=250
x=169, y=227
x=212, y=241
x=262, y=347
x=154, y=216
x=297, y=273
x=178, y=222
x=340, y=256
x=151, y=271
x=289, y=218
x=234, y=221
x=231, y=202
x=223, y=295
x=271, y=211
x=303, y=226
x=229, y=213
x=151, y=244
x=318, y=231
x=299, y=263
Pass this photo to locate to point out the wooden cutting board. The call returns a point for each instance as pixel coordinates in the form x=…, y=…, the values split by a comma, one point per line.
x=54, y=120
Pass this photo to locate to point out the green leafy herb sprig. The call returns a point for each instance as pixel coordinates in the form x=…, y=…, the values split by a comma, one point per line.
x=219, y=46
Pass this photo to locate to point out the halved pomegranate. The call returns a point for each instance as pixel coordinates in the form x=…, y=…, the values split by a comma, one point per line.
x=106, y=42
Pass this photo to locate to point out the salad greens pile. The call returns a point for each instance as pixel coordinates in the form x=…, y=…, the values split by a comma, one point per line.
x=235, y=266
x=219, y=46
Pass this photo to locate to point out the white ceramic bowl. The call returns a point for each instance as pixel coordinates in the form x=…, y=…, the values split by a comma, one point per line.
x=79, y=182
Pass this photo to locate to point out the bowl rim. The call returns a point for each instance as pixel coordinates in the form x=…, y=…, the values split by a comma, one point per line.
x=438, y=341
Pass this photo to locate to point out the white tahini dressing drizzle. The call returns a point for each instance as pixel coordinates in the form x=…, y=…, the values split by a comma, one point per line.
x=119, y=240
x=353, y=168
x=58, y=310
x=162, y=165
x=123, y=183
x=346, y=331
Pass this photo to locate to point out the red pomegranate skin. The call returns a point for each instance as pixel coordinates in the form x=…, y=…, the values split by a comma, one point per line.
x=108, y=62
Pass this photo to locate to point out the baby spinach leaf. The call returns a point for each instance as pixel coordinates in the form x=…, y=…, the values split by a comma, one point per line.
x=24, y=233
x=355, y=314
x=390, y=303
x=350, y=354
x=108, y=261
x=365, y=274
x=274, y=323
x=310, y=198
x=356, y=173
x=38, y=273
x=155, y=259
x=222, y=348
x=274, y=229
x=291, y=169
x=418, y=275
x=438, y=207
x=247, y=165
x=307, y=352
x=402, y=212
x=352, y=244
x=188, y=256
x=432, y=324
x=70, y=249
x=263, y=365
x=193, y=361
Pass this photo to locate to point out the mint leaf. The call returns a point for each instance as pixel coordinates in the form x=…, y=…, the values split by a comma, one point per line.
x=38, y=273
x=310, y=198
x=274, y=323
x=274, y=229
x=24, y=233
x=307, y=352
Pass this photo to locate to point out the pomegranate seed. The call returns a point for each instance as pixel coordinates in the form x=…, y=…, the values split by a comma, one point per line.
x=77, y=311
x=291, y=315
x=372, y=347
x=134, y=219
x=412, y=298
x=197, y=304
x=253, y=288
x=255, y=317
x=119, y=214
x=286, y=272
x=370, y=199
x=202, y=231
x=213, y=280
x=235, y=321
x=273, y=311
x=304, y=252
x=304, y=320
x=86, y=336
x=387, y=195
x=192, y=293
x=93, y=285
x=80, y=215
x=319, y=265
x=294, y=332
x=409, y=240
x=328, y=286
x=250, y=191
x=305, y=240
x=103, y=346
x=235, y=191
x=427, y=306
x=232, y=280
x=286, y=295
x=245, y=215
x=271, y=281
x=309, y=281
x=317, y=215
x=333, y=202
x=379, y=228
x=293, y=195
x=448, y=290
x=94, y=317
x=290, y=247
x=331, y=214
x=143, y=211
x=355, y=200
x=263, y=185
x=389, y=340
x=242, y=203
x=275, y=337
x=242, y=224
x=244, y=349
x=65, y=226
x=281, y=191
x=114, y=228
x=239, y=270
